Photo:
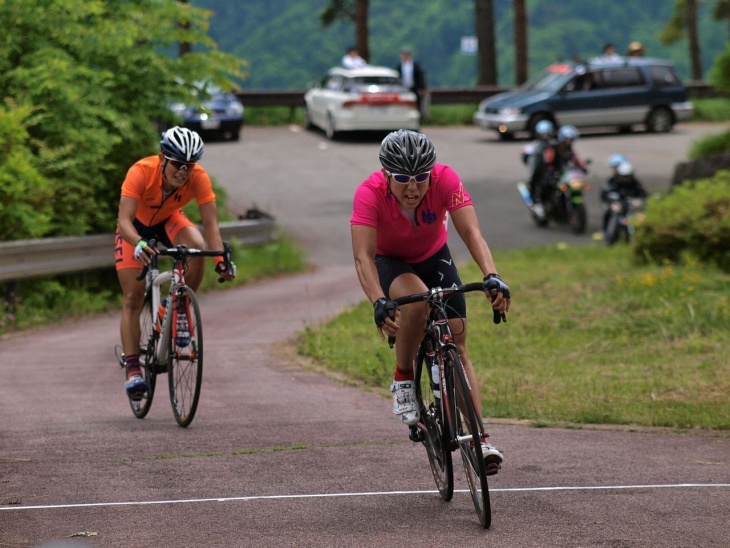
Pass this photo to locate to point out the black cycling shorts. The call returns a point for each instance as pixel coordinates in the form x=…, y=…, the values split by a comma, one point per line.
x=438, y=270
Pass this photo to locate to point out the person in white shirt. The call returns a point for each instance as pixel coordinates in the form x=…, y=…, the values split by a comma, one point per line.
x=352, y=59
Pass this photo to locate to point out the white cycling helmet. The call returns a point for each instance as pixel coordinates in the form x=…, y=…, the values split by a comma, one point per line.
x=616, y=160
x=625, y=168
x=568, y=132
x=182, y=144
x=544, y=128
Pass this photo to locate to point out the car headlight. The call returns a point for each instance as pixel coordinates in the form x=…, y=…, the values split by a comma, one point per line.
x=510, y=111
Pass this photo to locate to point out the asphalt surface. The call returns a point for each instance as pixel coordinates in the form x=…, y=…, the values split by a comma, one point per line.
x=280, y=454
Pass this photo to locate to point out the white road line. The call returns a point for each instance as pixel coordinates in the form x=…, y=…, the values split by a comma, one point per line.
x=366, y=494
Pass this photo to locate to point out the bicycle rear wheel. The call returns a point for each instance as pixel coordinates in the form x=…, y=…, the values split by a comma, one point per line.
x=436, y=435
x=185, y=360
x=147, y=338
x=469, y=426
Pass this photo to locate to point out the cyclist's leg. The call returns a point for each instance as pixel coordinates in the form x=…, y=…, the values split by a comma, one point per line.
x=397, y=279
x=182, y=231
x=411, y=322
x=133, y=294
x=133, y=299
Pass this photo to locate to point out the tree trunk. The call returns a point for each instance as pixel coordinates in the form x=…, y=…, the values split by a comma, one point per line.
x=361, y=29
x=184, y=47
x=486, y=49
x=694, y=41
x=520, y=32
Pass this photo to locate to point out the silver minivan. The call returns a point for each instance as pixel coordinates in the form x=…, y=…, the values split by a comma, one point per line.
x=597, y=93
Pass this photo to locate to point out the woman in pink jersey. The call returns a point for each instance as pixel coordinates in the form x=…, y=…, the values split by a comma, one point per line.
x=399, y=245
x=153, y=194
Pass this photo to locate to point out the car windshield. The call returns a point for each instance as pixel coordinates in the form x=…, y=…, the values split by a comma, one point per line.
x=551, y=79
x=374, y=84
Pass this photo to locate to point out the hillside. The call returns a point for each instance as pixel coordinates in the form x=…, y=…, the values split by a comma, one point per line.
x=287, y=47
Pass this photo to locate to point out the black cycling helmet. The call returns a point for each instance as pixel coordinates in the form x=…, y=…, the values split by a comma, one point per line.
x=182, y=144
x=408, y=152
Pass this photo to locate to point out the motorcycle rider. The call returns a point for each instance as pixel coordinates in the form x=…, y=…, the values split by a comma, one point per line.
x=614, y=161
x=625, y=184
x=544, y=135
x=556, y=156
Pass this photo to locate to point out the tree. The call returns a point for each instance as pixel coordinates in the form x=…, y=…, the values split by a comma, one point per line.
x=82, y=82
x=486, y=49
x=684, y=23
x=352, y=11
x=520, y=33
x=721, y=10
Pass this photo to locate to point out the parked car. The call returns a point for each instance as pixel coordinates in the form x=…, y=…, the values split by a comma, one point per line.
x=596, y=93
x=221, y=116
x=369, y=98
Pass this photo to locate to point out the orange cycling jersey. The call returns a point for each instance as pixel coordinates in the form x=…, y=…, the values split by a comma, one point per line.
x=144, y=184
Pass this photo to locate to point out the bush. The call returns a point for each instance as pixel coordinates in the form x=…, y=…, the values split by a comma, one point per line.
x=711, y=144
x=693, y=219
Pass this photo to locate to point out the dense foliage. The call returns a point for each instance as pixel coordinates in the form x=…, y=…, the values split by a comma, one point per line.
x=693, y=219
x=82, y=81
x=288, y=46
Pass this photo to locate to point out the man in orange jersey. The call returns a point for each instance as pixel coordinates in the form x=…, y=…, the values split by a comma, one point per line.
x=153, y=194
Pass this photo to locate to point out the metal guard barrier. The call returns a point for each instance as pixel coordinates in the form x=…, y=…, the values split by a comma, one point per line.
x=21, y=259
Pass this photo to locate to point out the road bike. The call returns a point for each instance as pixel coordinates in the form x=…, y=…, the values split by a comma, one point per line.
x=448, y=416
x=171, y=333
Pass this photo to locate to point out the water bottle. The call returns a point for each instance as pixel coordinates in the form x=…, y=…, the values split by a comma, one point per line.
x=160, y=315
x=436, y=380
x=183, y=330
x=435, y=373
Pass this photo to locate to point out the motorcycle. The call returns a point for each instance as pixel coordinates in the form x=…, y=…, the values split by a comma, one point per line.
x=622, y=213
x=561, y=200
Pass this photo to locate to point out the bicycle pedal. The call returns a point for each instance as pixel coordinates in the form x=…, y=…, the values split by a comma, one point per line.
x=415, y=435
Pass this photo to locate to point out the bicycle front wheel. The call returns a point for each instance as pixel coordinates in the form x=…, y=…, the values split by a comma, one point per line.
x=147, y=339
x=185, y=360
x=436, y=435
x=470, y=433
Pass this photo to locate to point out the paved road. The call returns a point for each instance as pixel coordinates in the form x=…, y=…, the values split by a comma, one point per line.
x=282, y=455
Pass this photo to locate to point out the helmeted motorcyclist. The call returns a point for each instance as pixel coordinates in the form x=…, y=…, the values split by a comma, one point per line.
x=625, y=184
x=556, y=156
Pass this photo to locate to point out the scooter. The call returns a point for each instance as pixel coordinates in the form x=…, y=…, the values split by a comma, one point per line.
x=561, y=200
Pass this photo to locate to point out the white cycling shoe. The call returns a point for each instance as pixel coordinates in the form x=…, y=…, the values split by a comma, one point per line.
x=404, y=402
x=492, y=458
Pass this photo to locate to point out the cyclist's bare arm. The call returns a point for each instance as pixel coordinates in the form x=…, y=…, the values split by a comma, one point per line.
x=364, y=239
x=209, y=218
x=125, y=222
x=467, y=226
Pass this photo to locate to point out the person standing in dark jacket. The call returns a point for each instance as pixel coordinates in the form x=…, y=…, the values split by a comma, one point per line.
x=412, y=76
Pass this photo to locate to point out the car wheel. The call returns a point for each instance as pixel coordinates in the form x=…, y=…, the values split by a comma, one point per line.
x=660, y=120
x=329, y=129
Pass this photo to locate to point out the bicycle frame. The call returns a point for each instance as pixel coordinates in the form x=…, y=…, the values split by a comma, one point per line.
x=154, y=281
x=449, y=418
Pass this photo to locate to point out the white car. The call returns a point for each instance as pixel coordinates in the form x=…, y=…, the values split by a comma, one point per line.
x=369, y=98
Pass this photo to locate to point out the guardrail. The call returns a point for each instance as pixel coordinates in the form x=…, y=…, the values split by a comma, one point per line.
x=294, y=98
x=23, y=259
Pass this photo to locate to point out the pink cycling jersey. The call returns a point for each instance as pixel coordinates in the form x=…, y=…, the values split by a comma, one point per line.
x=398, y=237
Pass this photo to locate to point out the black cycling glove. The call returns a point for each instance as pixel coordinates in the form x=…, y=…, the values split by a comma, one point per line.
x=494, y=284
x=383, y=309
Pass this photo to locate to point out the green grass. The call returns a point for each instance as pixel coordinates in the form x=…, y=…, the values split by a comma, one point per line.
x=711, y=110
x=591, y=338
x=45, y=300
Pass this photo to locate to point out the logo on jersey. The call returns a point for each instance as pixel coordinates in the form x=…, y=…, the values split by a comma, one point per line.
x=459, y=197
x=428, y=216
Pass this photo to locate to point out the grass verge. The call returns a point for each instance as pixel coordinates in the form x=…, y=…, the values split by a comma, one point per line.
x=591, y=338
